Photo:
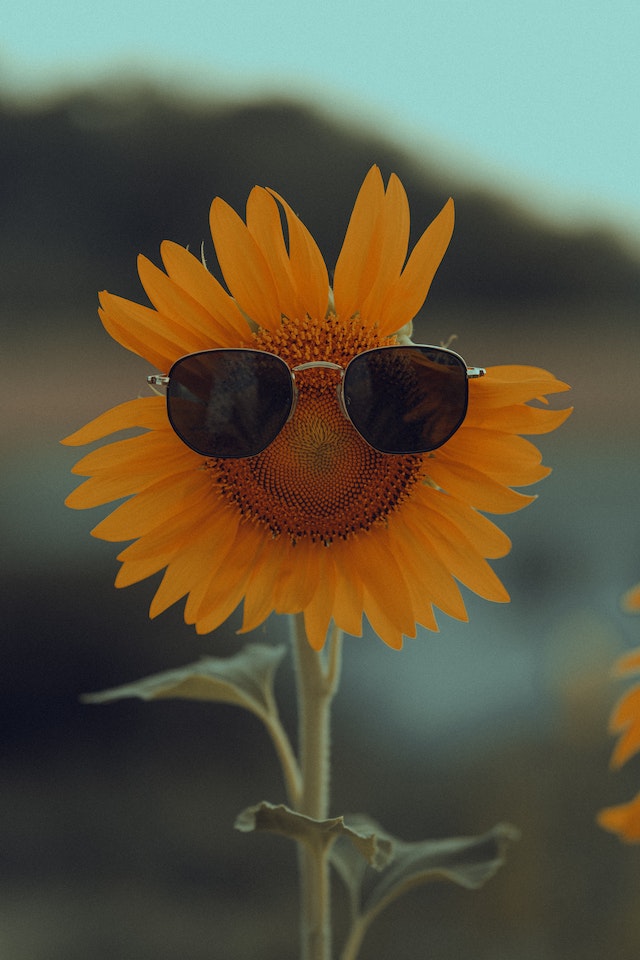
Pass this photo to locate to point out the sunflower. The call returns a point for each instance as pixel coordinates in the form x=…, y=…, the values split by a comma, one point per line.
x=319, y=523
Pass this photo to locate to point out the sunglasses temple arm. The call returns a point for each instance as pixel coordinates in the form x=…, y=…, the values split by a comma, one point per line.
x=157, y=380
x=474, y=372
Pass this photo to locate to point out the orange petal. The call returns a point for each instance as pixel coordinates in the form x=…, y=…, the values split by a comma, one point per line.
x=417, y=581
x=147, y=412
x=631, y=600
x=623, y=820
x=133, y=571
x=513, y=383
x=192, y=275
x=348, y=601
x=406, y=296
x=150, y=455
x=390, y=245
x=259, y=600
x=244, y=267
x=460, y=556
x=518, y=418
x=382, y=577
x=265, y=226
x=154, y=505
x=511, y=460
x=625, y=721
x=228, y=575
x=352, y=260
x=182, y=308
x=423, y=567
x=174, y=533
x=191, y=566
x=479, y=490
x=145, y=332
x=307, y=265
x=299, y=574
x=383, y=625
x=629, y=663
x=487, y=538
x=222, y=604
x=317, y=613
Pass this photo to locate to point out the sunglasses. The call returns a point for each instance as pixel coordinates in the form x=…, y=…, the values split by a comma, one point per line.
x=233, y=402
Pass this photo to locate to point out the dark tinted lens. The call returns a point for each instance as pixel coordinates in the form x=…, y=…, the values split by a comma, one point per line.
x=406, y=399
x=229, y=403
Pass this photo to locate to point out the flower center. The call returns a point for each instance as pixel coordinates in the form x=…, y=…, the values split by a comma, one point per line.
x=318, y=479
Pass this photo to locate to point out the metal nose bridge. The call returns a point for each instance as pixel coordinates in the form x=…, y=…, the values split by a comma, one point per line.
x=309, y=365
x=317, y=363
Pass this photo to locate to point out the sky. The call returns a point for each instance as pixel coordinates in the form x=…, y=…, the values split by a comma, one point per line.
x=541, y=100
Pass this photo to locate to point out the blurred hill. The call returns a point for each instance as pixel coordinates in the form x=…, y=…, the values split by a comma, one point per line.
x=90, y=178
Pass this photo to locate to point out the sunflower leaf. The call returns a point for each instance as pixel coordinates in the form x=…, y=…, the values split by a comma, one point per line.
x=468, y=861
x=245, y=679
x=368, y=847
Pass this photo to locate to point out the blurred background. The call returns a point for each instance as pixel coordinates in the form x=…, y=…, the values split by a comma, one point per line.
x=117, y=128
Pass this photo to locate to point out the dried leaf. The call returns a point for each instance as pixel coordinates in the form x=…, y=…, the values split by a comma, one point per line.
x=279, y=819
x=245, y=679
x=468, y=861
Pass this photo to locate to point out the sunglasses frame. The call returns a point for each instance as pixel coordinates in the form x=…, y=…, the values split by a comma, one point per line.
x=163, y=380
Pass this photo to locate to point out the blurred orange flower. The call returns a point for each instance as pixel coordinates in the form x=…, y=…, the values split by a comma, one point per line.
x=319, y=523
x=631, y=600
x=624, y=819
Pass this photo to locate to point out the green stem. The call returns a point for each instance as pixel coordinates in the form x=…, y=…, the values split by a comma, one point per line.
x=317, y=679
x=354, y=940
x=286, y=756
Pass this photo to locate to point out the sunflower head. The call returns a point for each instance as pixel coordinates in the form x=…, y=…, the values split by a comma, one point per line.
x=321, y=521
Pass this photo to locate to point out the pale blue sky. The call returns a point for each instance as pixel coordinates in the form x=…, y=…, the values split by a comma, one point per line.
x=541, y=98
